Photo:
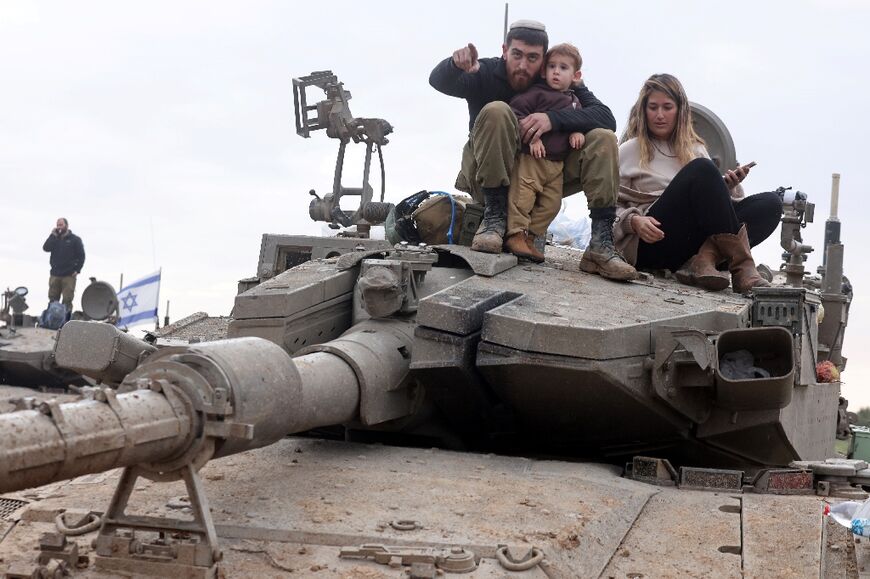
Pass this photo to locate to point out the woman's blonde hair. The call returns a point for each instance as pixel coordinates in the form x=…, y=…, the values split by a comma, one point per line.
x=684, y=138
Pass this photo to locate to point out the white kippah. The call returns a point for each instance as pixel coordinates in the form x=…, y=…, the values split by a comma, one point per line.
x=530, y=24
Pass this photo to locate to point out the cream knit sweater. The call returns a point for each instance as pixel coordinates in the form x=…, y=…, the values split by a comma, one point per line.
x=640, y=187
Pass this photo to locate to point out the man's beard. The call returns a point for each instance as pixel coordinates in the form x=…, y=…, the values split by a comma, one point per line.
x=520, y=81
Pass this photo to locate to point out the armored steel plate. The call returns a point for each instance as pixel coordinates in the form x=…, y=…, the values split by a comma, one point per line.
x=485, y=264
x=198, y=327
x=343, y=495
x=26, y=359
x=307, y=499
x=575, y=314
x=294, y=290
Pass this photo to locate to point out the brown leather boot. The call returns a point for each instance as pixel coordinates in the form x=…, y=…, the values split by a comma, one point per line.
x=516, y=244
x=701, y=270
x=735, y=248
x=536, y=255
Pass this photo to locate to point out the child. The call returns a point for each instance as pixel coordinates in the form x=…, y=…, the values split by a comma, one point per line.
x=535, y=194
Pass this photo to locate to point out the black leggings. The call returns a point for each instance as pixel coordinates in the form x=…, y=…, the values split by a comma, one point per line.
x=697, y=204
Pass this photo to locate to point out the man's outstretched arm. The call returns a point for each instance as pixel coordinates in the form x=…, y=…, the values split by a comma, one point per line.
x=457, y=76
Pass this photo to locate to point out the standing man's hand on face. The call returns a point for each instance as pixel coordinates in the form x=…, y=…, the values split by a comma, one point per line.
x=534, y=126
x=465, y=59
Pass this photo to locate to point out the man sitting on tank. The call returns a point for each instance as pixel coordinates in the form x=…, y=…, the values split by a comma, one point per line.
x=489, y=155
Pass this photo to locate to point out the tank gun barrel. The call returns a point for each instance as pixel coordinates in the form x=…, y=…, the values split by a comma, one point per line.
x=187, y=405
x=50, y=441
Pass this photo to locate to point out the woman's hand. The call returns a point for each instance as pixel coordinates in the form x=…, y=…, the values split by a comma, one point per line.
x=646, y=228
x=736, y=176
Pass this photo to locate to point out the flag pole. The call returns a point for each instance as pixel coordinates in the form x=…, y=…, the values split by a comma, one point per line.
x=159, y=277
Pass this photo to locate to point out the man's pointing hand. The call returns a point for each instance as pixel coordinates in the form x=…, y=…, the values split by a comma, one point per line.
x=466, y=58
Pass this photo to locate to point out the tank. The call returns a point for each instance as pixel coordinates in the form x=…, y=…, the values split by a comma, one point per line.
x=362, y=341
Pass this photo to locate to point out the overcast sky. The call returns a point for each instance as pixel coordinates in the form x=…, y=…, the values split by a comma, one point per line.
x=164, y=130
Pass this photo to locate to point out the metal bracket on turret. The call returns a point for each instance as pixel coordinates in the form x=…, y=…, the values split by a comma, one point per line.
x=391, y=285
x=682, y=370
x=163, y=547
x=333, y=114
x=454, y=560
x=798, y=311
x=485, y=264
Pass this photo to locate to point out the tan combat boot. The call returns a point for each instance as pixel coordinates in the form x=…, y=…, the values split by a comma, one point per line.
x=490, y=235
x=601, y=257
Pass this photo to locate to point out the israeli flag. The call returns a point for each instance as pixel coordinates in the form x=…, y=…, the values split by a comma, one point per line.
x=137, y=302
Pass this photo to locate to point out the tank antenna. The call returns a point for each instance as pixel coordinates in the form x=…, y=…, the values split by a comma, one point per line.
x=832, y=225
x=504, y=35
x=835, y=196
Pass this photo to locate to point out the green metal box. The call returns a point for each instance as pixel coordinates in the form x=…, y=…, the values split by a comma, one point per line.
x=859, y=446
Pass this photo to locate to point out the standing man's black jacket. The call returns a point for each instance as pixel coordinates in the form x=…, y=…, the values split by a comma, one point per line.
x=67, y=254
x=490, y=84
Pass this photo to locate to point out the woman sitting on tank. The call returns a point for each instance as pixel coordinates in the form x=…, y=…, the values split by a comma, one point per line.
x=676, y=209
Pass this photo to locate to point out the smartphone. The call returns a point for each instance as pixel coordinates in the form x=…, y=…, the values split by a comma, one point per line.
x=744, y=167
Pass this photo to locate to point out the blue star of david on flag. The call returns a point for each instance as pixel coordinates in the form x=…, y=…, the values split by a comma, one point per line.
x=129, y=301
x=138, y=301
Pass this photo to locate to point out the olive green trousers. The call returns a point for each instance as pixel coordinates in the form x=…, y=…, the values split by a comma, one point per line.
x=62, y=285
x=489, y=156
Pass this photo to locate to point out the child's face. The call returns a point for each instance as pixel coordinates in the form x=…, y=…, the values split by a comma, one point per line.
x=559, y=72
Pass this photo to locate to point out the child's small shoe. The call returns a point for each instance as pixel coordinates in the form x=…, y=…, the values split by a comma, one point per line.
x=537, y=255
x=517, y=245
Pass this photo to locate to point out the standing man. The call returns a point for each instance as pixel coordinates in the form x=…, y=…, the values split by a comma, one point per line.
x=67, y=259
x=488, y=159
